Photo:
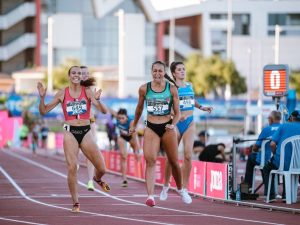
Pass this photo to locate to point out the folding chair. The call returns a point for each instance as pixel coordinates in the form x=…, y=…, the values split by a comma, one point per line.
x=291, y=176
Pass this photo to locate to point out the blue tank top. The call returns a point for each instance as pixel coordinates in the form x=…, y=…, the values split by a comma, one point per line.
x=124, y=128
x=159, y=103
x=186, y=97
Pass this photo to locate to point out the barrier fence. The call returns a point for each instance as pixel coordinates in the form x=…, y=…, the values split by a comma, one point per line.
x=206, y=179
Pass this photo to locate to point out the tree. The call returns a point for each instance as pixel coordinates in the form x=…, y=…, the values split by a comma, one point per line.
x=60, y=73
x=212, y=74
x=295, y=81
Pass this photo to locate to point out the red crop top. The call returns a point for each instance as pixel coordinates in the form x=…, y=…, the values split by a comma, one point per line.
x=79, y=108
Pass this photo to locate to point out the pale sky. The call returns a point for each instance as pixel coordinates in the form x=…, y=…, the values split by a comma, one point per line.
x=168, y=4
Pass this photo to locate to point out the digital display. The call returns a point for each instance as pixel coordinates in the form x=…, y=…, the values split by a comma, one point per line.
x=275, y=81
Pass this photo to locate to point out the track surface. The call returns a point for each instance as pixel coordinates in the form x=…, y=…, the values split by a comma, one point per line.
x=33, y=190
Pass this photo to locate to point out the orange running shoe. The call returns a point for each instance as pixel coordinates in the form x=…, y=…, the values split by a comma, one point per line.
x=102, y=184
x=76, y=208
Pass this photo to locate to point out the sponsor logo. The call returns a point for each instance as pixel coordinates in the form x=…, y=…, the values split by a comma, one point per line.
x=216, y=182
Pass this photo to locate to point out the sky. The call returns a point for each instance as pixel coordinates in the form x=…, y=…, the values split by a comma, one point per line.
x=168, y=4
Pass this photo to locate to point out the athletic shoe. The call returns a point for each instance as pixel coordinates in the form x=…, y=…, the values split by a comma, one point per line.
x=164, y=193
x=150, y=201
x=90, y=185
x=102, y=184
x=185, y=197
x=76, y=208
x=124, y=183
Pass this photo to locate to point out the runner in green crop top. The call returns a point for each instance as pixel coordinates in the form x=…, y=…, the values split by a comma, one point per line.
x=160, y=97
x=158, y=103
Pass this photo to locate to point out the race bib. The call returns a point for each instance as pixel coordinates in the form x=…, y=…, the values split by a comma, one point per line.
x=186, y=102
x=158, y=108
x=76, y=108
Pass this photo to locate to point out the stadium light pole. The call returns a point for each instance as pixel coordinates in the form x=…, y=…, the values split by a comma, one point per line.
x=172, y=40
x=121, y=18
x=229, y=44
x=249, y=90
x=50, y=55
x=277, y=44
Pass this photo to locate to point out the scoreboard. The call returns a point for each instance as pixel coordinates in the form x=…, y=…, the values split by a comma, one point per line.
x=276, y=80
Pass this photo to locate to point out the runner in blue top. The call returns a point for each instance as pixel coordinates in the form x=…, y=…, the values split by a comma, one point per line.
x=284, y=131
x=123, y=125
x=185, y=127
x=255, y=157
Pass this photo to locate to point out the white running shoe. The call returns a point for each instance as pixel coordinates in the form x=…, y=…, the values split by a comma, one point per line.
x=164, y=193
x=185, y=197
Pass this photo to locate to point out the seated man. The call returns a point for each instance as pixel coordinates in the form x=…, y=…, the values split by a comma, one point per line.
x=199, y=145
x=284, y=131
x=255, y=157
x=213, y=153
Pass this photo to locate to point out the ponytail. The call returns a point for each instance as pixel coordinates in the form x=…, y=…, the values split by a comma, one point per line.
x=170, y=80
x=88, y=83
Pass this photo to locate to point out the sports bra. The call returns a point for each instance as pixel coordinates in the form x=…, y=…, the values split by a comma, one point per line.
x=76, y=108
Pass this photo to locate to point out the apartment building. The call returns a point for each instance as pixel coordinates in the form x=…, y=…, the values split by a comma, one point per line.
x=19, y=34
x=98, y=34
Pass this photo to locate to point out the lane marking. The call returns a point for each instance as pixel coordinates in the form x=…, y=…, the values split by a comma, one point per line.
x=19, y=189
x=136, y=203
x=21, y=221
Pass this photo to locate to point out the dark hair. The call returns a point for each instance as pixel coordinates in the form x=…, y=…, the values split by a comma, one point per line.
x=83, y=67
x=160, y=63
x=170, y=80
x=72, y=68
x=122, y=111
x=296, y=115
x=203, y=133
x=174, y=65
x=222, y=144
x=88, y=82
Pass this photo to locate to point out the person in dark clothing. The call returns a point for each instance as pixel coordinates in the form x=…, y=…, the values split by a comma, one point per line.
x=211, y=152
x=199, y=145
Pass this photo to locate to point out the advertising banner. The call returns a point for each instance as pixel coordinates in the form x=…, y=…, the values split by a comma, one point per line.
x=197, y=177
x=3, y=129
x=216, y=180
x=160, y=169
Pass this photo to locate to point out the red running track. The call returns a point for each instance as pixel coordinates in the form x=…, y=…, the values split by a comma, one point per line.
x=33, y=190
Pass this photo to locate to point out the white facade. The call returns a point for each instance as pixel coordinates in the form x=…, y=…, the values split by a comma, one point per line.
x=251, y=52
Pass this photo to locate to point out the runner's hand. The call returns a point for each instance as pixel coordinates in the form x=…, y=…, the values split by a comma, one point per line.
x=97, y=94
x=170, y=127
x=42, y=91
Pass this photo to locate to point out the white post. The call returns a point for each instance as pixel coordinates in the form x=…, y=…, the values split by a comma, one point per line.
x=249, y=90
x=50, y=55
x=229, y=44
x=229, y=29
x=277, y=44
x=121, y=53
x=172, y=41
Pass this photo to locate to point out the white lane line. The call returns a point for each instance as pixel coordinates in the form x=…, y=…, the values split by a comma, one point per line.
x=21, y=221
x=19, y=189
x=136, y=203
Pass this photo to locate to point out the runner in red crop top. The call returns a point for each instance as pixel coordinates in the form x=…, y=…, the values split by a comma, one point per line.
x=76, y=108
x=76, y=102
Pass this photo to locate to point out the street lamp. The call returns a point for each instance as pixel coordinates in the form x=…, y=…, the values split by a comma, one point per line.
x=120, y=15
x=172, y=40
x=229, y=44
x=50, y=55
x=277, y=44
